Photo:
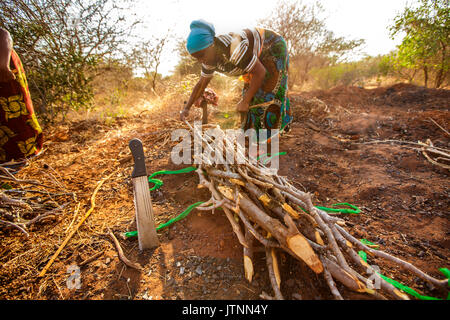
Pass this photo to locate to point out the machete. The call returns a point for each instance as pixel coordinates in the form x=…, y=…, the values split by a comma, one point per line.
x=142, y=201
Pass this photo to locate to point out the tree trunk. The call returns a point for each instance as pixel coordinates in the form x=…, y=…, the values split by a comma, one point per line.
x=440, y=76
x=425, y=73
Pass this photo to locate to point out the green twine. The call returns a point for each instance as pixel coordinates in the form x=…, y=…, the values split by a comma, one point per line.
x=401, y=286
x=268, y=158
x=180, y=216
x=363, y=255
x=130, y=234
x=368, y=243
x=406, y=289
x=168, y=223
x=158, y=183
x=353, y=210
x=446, y=273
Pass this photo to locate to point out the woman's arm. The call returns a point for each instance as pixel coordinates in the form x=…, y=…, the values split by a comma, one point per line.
x=257, y=78
x=5, y=56
x=196, y=93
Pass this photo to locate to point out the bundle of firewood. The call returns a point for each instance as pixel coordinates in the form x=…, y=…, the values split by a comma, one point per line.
x=265, y=209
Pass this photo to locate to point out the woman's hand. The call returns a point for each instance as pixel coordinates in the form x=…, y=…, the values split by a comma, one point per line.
x=196, y=93
x=6, y=75
x=242, y=106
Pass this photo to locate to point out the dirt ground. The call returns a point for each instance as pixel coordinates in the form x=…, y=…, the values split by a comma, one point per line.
x=404, y=201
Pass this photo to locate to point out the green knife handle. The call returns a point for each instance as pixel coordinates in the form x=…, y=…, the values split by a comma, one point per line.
x=139, y=158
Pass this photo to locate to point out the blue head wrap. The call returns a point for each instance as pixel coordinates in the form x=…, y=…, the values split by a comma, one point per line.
x=201, y=36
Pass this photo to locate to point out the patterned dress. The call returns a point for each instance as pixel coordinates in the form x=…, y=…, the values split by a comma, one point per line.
x=20, y=133
x=237, y=55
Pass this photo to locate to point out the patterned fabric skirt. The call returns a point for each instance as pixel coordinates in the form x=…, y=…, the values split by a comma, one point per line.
x=20, y=133
x=271, y=108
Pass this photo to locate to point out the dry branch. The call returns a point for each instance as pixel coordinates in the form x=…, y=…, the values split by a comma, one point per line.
x=440, y=127
x=274, y=273
x=70, y=235
x=122, y=256
x=15, y=226
x=425, y=148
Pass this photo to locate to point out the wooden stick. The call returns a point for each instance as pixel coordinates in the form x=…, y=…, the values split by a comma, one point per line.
x=248, y=256
x=294, y=241
x=262, y=199
x=215, y=205
x=348, y=247
x=337, y=295
x=74, y=216
x=15, y=226
x=236, y=228
x=73, y=194
x=344, y=277
x=46, y=215
x=259, y=237
x=265, y=296
x=90, y=259
x=5, y=170
x=122, y=256
x=13, y=202
x=434, y=162
x=276, y=268
x=32, y=182
x=70, y=235
x=12, y=163
x=437, y=124
x=272, y=275
x=397, y=141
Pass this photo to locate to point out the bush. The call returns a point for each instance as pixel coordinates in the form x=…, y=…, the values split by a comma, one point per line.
x=61, y=43
x=351, y=73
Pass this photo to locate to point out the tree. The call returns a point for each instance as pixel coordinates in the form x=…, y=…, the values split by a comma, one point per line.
x=389, y=65
x=60, y=43
x=310, y=43
x=147, y=56
x=425, y=45
x=187, y=64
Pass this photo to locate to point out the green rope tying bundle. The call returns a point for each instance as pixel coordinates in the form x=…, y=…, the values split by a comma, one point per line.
x=399, y=285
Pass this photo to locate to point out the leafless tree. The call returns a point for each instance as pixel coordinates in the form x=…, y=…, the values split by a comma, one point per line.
x=147, y=55
x=309, y=42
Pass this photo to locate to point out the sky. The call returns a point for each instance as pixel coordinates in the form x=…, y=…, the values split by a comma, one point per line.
x=353, y=19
